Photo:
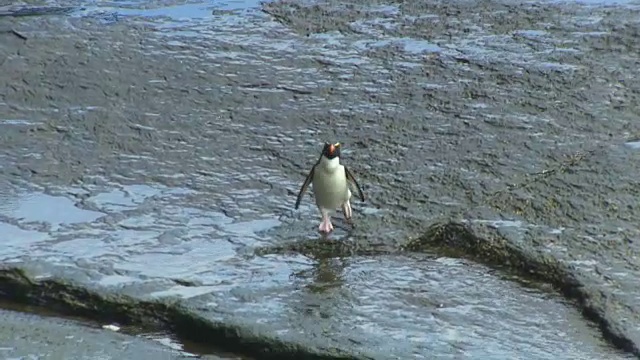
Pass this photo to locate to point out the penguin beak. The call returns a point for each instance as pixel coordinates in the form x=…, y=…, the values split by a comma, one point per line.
x=332, y=149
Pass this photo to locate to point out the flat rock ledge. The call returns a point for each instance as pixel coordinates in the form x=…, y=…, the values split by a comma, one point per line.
x=453, y=239
x=67, y=298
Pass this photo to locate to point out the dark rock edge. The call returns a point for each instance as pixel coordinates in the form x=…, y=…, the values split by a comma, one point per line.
x=66, y=298
x=452, y=239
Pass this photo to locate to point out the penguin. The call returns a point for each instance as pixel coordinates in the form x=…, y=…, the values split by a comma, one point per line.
x=331, y=186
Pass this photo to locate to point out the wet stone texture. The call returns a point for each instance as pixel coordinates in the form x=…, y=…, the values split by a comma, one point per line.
x=155, y=155
x=28, y=336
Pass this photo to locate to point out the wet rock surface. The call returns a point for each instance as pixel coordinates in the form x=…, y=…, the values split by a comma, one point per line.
x=153, y=157
x=29, y=336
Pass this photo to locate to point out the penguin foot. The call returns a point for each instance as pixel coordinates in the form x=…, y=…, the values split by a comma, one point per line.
x=346, y=210
x=325, y=225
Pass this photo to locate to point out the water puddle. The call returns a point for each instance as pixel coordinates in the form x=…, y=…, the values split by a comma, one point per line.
x=18, y=122
x=167, y=15
x=170, y=342
x=633, y=144
x=17, y=241
x=410, y=46
x=55, y=211
x=170, y=14
x=126, y=198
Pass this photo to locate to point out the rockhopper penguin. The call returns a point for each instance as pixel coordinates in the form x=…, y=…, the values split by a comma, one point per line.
x=331, y=186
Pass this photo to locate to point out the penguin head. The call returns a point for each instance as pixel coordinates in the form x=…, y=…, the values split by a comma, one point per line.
x=331, y=151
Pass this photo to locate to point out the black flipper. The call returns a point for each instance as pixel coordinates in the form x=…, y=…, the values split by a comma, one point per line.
x=304, y=187
x=352, y=178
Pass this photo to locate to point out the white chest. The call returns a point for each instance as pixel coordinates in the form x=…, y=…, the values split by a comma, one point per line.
x=330, y=186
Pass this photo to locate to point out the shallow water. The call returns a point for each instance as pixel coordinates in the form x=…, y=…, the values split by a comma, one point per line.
x=397, y=306
x=180, y=217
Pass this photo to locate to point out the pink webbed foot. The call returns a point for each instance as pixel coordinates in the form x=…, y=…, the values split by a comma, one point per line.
x=347, y=211
x=325, y=225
